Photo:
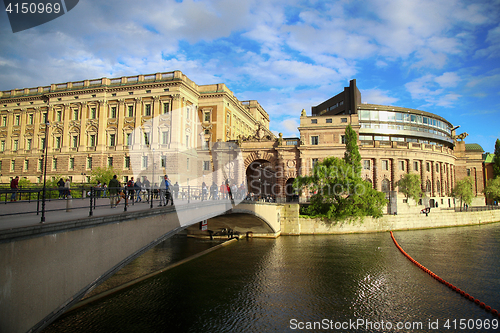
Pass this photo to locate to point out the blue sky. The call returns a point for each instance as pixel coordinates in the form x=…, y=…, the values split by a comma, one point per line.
x=440, y=56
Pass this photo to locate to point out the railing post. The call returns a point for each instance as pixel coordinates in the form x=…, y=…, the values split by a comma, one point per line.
x=91, y=197
x=189, y=193
x=38, y=203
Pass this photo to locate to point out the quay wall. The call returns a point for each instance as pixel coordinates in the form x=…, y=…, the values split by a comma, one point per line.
x=293, y=224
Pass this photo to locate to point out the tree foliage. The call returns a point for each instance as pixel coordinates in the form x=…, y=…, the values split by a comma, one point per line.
x=409, y=185
x=103, y=175
x=463, y=190
x=496, y=160
x=339, y=193
x=492, y=189
x=352, y=155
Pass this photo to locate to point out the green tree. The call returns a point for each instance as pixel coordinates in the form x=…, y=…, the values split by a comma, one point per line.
x=463, y=191
x=492, y=189
x=409, y=185
x=339, y=193
x=103, y=175
x=496, y=160
x=352, y=155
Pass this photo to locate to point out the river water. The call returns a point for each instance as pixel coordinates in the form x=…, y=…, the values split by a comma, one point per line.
x=360, y=282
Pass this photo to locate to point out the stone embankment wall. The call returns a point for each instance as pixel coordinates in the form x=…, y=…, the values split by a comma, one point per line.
x=292, y=224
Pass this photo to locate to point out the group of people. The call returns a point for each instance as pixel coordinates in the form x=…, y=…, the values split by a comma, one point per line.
x=224, y=191
x=64, y=188
x=134, y=190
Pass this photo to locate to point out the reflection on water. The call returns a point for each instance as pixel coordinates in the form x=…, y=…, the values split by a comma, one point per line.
x=270, y=285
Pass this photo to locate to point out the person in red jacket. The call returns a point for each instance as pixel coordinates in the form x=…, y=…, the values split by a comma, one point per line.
x=14, y=185
x=223, y=191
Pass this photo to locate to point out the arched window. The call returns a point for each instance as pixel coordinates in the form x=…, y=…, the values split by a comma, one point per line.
x=428, y=187
x=386, y=185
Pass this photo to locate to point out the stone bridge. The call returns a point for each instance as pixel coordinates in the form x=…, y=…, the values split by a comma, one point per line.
x=46, y=269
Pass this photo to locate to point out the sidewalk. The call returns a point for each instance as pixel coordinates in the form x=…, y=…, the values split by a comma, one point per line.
x=23, y=213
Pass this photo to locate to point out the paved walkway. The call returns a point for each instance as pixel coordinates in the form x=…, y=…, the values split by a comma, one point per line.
x=23, y=213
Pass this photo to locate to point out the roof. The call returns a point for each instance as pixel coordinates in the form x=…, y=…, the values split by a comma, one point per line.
x=473, y=147
x=488, y=158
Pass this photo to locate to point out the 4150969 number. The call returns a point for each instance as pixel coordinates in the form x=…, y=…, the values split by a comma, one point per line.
x=33, y=8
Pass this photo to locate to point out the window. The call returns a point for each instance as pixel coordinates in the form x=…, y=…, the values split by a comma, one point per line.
x=26, y=165
x=92, y=140
x=2, y=145
x=93, y=113
x=147, y=111
x=468, y=173
x=40, y=164
x=166, y=108
x=127, y=162
x=89, y=162
x=206, y=165
x=146, y=138
x=402, y=165
x=206, y=116
x=428, y=166
x=144, y=162
x=438, y=186
x=0, y=165
x=110, y=161
x=207, y=131
x=42, y=143
x=313, y=162
x=385, y=165
x=58, y=142
x=71, y=163
x=187, y=141
x=130, y=110
x=329, y=120
x=74, y=141
x=164, y=161
x=437, y=167
x=15, y=146
x=12, y=165
x=187, y=163
x=129, y=139
x=17, y=120
x=4, y=121
x=314, y=140
x=59, y=115
x=112, y=138
x=342, y=139
x=343, y=120
x=415, y=166
x=54, y=164
x=28, y=144
x=164, y=138
x=45, y=117
x=112, y=113
x=314, y=121
x=366, y=164
x=386, y=185
x=75, y=114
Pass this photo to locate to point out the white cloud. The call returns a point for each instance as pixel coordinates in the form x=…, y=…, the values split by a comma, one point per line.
x=377, y=96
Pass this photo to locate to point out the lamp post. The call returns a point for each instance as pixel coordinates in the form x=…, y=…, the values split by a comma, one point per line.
x=46, y=151
x=152, y=182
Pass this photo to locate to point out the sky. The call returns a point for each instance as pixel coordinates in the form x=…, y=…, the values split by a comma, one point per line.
x=439, y=56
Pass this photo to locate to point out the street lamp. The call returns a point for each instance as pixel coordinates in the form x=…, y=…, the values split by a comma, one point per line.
x=152, y=182
x=45, y=149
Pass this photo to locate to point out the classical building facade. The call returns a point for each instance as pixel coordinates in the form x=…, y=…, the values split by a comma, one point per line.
x=164, y=123
x=132, y=123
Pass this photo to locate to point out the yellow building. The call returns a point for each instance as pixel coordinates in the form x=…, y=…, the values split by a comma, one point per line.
x=93, y=123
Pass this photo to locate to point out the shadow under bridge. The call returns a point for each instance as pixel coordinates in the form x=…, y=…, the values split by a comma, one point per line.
x=251, y=219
